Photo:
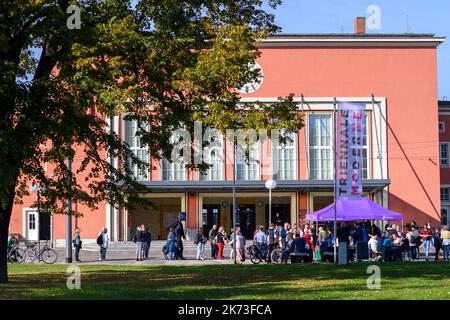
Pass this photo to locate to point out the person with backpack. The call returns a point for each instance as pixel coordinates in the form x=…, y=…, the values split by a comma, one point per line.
x=416, y=233
x=437, y=243
x=103, y=242
x=410, y=235
x=200, y=241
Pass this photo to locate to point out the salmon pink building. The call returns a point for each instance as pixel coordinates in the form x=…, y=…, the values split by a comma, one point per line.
x=393, y=75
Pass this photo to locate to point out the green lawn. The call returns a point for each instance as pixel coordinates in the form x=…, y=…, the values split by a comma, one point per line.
x=399, y=281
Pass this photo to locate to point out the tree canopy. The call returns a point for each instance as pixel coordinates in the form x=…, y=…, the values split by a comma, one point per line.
x=168, y=62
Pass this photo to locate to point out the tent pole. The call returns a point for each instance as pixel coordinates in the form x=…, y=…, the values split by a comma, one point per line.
x=334, y=185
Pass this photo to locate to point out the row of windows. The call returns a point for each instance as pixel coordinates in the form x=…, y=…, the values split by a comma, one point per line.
x=284, y=156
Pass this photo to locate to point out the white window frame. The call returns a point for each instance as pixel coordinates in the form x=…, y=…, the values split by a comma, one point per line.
x=257, y=146
x=366, y=147
x=208, y=174
x=280, y=149
x=174, y=167
x=441, y=126
x=446, y=164
x=309, y=114
x=136, y=149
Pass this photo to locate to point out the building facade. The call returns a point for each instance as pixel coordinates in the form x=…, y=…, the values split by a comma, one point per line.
x=395, y=76
x=444, y=144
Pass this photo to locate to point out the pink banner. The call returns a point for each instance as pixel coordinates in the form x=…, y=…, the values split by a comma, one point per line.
x=349, y=150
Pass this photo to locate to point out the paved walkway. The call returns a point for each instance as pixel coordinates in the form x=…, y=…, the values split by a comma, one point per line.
x=124, y=253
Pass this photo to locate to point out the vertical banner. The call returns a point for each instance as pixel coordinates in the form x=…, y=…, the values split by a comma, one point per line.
x=350, y=128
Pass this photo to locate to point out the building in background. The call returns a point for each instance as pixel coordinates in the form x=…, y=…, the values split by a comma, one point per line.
x=444, y=144
x=400, y=170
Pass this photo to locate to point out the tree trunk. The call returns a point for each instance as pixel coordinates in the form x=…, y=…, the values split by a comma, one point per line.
x=5, y=217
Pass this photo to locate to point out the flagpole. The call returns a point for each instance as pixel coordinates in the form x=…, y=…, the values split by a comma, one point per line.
x=335, y=178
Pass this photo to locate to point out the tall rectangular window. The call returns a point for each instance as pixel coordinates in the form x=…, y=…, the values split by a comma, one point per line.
x=214, y=156
x=320, y=146
x=444, y=194
x=284, y=158
x=174, y=170
x=321, y=155
x=443, y=154
x=248, y=169
x=133, y=140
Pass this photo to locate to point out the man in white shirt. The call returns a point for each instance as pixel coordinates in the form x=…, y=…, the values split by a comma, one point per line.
x=373, y=246
x=260, y=240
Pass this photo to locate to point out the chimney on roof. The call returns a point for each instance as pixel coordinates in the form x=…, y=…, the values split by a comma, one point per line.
x=360, y=25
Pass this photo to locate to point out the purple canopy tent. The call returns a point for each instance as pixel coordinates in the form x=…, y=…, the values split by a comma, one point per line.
x=352, y=210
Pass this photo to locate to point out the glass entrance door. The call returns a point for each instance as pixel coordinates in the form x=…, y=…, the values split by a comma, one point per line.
x=211, y=216
x=281, y=213
x=245, y=219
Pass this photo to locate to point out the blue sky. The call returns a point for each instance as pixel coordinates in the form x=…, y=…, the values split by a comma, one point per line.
x=333, y=16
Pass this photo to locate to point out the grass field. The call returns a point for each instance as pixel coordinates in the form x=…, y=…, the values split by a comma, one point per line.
x=398, y=281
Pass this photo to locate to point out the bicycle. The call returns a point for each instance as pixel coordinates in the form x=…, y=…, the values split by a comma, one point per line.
x=276, y=255
x=16, y=255
x=256, y=256
x=46, y=254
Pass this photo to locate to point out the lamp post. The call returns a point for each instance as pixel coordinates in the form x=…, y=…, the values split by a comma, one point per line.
x=270, y=184
x=234, y=201
x=69, y=214
x=35, y=188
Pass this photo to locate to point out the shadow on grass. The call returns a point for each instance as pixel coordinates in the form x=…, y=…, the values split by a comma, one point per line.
x=229, y=282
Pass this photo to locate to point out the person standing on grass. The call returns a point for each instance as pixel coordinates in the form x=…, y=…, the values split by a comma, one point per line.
x=416, y=233
x=445, y=236
x=426, y=235
x=146, y=241
x=103, y=242
x=220, y=239
x=170, y=243
x=200, y=241
x=410, y=235
x=77, y=244
x=437, y=243
x=284, y=242
x=212, y=236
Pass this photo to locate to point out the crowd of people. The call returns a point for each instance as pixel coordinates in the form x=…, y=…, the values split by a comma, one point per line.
x=315, y=241
x=318, y=241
